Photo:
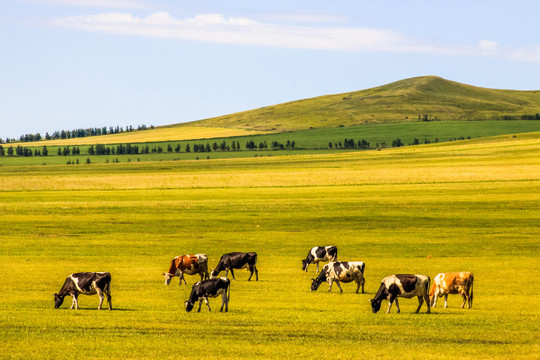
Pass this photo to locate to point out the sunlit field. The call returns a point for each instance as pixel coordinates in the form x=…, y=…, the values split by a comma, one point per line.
x=469, y=205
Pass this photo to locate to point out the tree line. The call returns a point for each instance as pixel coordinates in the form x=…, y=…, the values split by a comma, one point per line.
x=129, y=149
x=76, y=133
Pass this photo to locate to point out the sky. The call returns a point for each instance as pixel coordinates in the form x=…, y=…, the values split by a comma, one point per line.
x=70, y=64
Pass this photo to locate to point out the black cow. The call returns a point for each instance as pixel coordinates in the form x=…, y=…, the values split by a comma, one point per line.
x=237, y=260
x=202, y=290
x=86, y=283
x=402, y=285
x=341, y=271
x=319, y=253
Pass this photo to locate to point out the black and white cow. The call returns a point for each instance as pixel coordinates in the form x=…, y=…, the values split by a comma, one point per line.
x=319, y=253
x=402, y=285
x=86, y=283
x=341, y=271
x=237, y=260
x=202, y=290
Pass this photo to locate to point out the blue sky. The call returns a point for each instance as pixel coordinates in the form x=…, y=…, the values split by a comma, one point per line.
x=68, y=64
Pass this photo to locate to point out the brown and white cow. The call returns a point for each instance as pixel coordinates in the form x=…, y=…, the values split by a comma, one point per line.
x=452, y=283
x=402, y=285
x=341, y=271
x=187, y=264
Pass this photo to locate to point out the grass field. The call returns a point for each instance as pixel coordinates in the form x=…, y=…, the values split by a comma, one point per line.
x=313, y=141
x=468, y=205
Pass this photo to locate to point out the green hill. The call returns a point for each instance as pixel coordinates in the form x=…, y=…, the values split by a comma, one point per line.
x=402, y=101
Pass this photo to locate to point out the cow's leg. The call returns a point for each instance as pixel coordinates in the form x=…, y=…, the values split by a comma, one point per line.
x=200, y=304
x=108, y=294
x=232, y=274
x=101, y=297
x=256, y=273
x=397, y=306
x=339, y=286
x=358, y=287
x=426, y=298
x=330, y=283
x=252, y=270
x=433, y=301
x=445, y=301
x=224, y=301
x=207, y=302
x=363, y=283
x=75, y=302
x=390, y=302
x=317, y=266
x=420, y=302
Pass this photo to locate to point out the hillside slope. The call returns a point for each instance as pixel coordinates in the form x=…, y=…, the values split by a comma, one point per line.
x=400, y=101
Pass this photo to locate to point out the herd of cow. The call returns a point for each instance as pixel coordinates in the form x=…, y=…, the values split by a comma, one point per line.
x=391, y=287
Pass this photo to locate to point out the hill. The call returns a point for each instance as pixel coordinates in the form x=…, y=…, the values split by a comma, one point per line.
x=401, y=101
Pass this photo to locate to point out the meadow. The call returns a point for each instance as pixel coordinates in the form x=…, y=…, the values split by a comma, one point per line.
x=314, y=141
x=468, y=205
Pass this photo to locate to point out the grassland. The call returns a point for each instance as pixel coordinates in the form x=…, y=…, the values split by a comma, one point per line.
x=401, y=101
x=313, y=141
x=468, y=205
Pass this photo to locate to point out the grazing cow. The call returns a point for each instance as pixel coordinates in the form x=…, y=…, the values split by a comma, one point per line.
x=319, y=253
x=202, y=290
x=86, y=283
x=401, y=285
x=344, y=271
x=237, y=260
x=187, y=264
x=452, y=283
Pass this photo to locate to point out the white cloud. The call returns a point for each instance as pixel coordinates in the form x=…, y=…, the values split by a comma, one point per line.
x=243, y=31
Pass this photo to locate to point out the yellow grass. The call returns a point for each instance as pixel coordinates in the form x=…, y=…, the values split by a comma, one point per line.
x=442, y=163
x=164, y=133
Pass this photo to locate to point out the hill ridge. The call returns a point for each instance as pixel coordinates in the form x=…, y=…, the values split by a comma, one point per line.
x=401, y=101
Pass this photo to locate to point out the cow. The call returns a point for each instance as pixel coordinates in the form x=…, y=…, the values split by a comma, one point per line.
x=319, y=253
x=187, y=264
x=402, y=285
x=237, y=260
x=341, y=271
x=202, y=290
x=86, y=283
x=452, y=283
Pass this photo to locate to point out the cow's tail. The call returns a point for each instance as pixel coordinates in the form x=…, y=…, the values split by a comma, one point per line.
x=229, y=292
x=471, y=294
x=335, y=254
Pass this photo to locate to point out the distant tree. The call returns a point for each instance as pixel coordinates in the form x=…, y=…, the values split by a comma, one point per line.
x=188, y=149
x=177, y=148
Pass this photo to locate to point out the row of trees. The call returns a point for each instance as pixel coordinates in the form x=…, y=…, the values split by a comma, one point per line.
x=76, y=133
x=349, y=144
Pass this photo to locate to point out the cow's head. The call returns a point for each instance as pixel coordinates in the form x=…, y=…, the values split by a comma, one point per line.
x=315, y=284
x=304, y=265
x=375, y=305
x=58, y=300
x=168, y=276
x=214, y=274
x=189, y=306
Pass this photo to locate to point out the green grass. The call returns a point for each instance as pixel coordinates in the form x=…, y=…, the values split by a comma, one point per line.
x=313, y=141
x=469, y=205
x=401, y=101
